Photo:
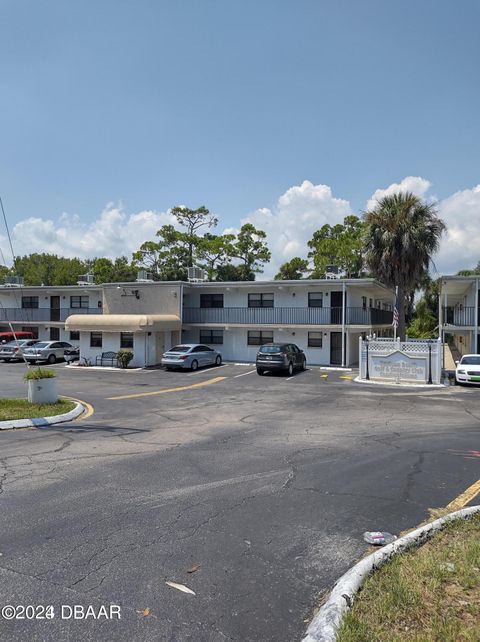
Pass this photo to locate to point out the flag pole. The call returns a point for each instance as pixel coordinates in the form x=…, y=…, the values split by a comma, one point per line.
x=395, y=314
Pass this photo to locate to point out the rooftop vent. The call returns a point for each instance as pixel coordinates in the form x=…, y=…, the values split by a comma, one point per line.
x=196, y=275
x=332, y=272
x=144, y=277
x=86, y=279
x=13, y=281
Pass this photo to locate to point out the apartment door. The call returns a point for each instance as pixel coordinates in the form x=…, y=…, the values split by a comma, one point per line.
x=336, y=348
x=336, y=303
x=54, y=308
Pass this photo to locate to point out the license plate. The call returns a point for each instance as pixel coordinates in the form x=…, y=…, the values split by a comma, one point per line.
x=475, y=378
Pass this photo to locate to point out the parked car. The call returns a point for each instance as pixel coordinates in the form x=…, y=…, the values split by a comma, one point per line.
x=49, y=351
x=191, y=356
x=286, y=357
x=71, y=354
x=468, y=369
x=13, y=351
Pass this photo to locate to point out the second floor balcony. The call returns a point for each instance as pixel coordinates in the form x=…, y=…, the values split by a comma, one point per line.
x=460, y=315
x=42, y=315
x=287, y=316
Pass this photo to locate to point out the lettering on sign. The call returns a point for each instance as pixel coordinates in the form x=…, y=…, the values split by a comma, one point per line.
x=398, y=366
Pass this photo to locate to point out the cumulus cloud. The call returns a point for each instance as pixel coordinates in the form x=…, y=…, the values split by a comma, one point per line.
x=298, y=213
x=289, y=224
x=414, y=184
x=460, y=247
x=113, y=233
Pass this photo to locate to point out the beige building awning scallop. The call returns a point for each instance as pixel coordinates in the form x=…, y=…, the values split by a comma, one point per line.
x=123, y=322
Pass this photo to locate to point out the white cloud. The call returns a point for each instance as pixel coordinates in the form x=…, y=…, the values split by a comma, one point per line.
x=290, y=224
x=460, y=248
x=414, y=184
x=113, y=233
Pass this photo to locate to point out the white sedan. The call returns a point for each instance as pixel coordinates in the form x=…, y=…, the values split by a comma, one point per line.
x=468, y=369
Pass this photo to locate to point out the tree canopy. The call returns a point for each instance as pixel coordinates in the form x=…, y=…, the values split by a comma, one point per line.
x=402, y=234
x=292, y=270
x=340, y=245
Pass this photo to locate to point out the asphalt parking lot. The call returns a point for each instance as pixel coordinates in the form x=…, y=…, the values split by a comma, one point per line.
x=260, y=486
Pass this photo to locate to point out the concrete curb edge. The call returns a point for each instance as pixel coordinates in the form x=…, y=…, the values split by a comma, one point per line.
x=326, y=622
x=398, y=386
x=43, y=421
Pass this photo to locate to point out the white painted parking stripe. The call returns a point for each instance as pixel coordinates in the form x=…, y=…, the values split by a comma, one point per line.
x=244, y=373
x=225, y=365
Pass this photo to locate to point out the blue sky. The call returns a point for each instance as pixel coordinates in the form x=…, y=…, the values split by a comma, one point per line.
x=148, y=104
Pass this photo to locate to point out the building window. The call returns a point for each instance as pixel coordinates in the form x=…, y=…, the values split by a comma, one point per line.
x=211, y=337
x=31, y=329
x=364, y=302
x=259, y=337
x=29, y=302
x=315, y=339
x=79, y=301
x=95, y=339
x=260, y=300
x=54, y=334
x=315, y=299
x=211, y=300
x=370, y=303
x=126, y=340
x=74, y=335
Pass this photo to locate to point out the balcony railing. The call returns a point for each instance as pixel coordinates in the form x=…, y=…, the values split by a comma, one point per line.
x=459, y=315
x=42, y=315
x=287, y=316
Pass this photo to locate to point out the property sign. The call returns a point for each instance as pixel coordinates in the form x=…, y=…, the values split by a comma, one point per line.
x=398, y=366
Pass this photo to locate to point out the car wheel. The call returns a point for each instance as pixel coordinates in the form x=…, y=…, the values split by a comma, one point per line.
x=194, y=365
x=51, y=359
x=290, y=369
x=7, y=360
x=260, y=371
x=169, y=369
x=218, y=361
x=304, y=364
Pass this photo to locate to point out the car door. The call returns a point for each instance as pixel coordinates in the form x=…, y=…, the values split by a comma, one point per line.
x=298, y=355
x=56, y=349
x=205, y=354
x=197, y=354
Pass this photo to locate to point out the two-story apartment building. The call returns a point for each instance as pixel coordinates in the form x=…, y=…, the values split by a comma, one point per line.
x=324, y=317
x=459, y=311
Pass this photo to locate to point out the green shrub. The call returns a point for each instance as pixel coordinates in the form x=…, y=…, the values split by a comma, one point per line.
x=39, y=373
x=124, y=357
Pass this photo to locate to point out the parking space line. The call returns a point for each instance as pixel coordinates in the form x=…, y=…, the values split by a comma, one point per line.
x=466, y=497
x=165, y=390
x=244, y=373
x=204, y=371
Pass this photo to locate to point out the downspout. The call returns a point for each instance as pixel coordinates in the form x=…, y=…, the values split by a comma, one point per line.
x=343, y=322
x=475, y=332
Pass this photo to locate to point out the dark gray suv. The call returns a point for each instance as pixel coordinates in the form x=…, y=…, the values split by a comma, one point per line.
x=286, y=357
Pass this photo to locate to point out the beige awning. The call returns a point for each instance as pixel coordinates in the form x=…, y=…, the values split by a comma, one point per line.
x=122, y=322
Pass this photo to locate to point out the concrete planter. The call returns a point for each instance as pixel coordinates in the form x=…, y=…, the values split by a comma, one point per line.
x=42, y=390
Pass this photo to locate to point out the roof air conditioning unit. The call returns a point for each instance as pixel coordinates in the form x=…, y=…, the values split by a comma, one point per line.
x=13, y=281
x=196, y=275
x=144, y=277
x=86, y=279
x=332, y=272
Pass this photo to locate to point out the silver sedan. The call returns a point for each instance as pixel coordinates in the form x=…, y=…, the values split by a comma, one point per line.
x=191, y=356
x=49, y=351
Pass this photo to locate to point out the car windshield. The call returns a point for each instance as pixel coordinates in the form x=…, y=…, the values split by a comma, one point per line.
x=180, y=349
x=41, y=344
x=470, y=361
x=14, y=343
x=270, y=349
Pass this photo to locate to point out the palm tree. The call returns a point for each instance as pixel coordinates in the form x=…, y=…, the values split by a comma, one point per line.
x=402, y=233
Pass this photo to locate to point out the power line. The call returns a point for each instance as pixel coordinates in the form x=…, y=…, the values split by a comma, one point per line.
x=8, y=231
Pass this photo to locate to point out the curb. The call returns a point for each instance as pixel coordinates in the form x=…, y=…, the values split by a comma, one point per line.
x=401, y=385
x=325, y=624
x=43, y=421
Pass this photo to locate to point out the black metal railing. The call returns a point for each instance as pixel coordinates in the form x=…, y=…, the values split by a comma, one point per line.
x=287, y=316
x=459, y=315
x=42, y=315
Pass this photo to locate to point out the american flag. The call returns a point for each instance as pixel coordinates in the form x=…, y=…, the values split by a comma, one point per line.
x=395, y=310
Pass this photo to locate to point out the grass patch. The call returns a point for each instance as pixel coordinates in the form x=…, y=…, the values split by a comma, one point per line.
x=22, y=409
x=428, y=594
